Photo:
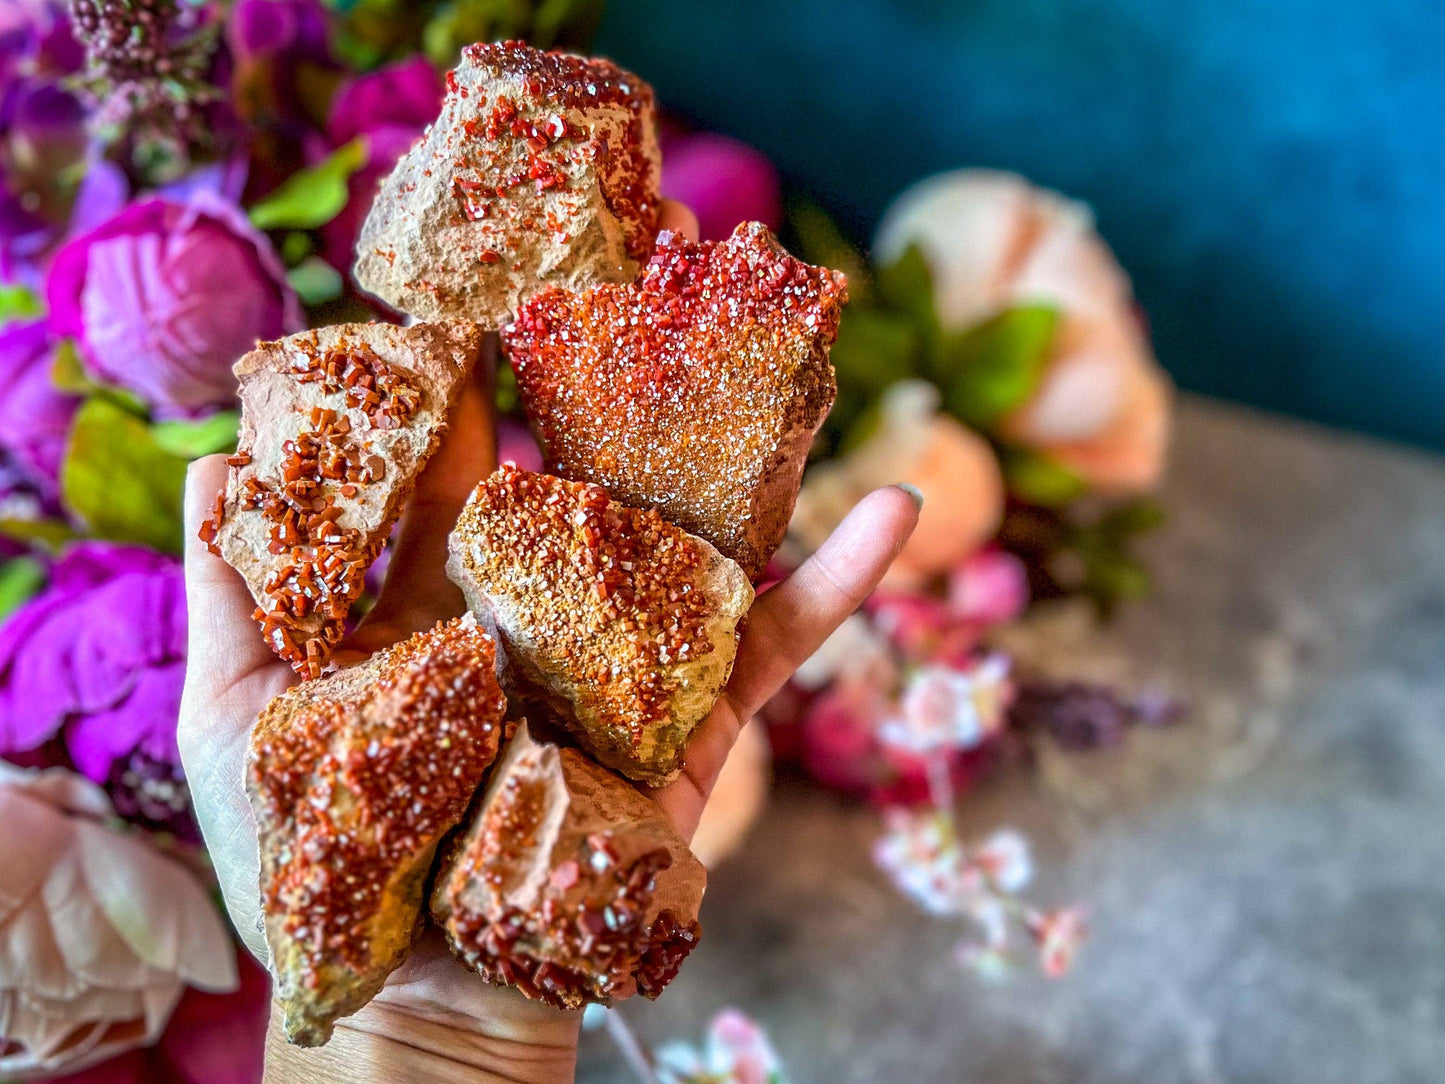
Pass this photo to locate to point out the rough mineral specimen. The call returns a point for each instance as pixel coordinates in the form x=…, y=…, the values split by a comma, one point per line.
x=354, y=779
x=696, y=390
x=542, y=168
x=622, y=624
x=336, y=423
x=569, y=884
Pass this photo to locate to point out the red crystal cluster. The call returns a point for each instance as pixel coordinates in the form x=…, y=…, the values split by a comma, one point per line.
x=363, y=786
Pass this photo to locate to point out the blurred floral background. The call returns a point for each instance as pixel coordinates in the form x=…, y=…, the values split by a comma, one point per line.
x=181, y=179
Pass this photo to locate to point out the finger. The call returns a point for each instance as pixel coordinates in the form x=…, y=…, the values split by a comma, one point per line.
x=678, y=218
x=417, y=593
x=224, y=644
x=229, y=672
x=790, y=622
x=785, y=626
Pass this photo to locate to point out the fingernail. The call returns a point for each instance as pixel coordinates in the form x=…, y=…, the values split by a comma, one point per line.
x=914, y=492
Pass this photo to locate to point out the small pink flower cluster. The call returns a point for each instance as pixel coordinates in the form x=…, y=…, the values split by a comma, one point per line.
x=736, y=1051
x=922, y=854
x=904, y=684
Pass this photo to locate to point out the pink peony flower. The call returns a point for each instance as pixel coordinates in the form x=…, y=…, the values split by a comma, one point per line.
x=99, y=932
x=34, y=417
x=737, y=1051
x=98, y=659
x=165, y=296
x=992, y=240
x=953, y=467
x=838, y=740
x=390, y=107
x=723, y=180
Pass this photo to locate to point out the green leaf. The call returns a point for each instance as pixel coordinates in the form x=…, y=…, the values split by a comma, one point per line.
x=875, y=348
x=49, y=534
x=817, y=239
x=120, y=482
x=907, y=284
x=314, y=196
x=18, y=303
x=564, y=21
x=315, y=281
x=67, y=373
x=995, y=366
x=1040, y=480
x=1116, y=580
x=190, y=440
x=1131, y=518
x=20, y=578
x=506, y=390
x=295, y=246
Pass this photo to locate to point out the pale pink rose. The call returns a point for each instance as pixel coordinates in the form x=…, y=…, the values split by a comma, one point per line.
x=953, y=467
x=100, y=933
x=993, y=241
x=737, y=797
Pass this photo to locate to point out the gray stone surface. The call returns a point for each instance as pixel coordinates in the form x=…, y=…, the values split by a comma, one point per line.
x=1266, y=883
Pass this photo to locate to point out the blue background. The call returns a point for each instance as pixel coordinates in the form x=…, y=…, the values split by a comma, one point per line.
x=1271, y=172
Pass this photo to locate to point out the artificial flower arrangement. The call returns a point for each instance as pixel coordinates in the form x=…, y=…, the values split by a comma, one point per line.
x=181, y=180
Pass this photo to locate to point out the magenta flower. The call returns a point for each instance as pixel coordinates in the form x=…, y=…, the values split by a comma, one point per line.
x=390, y=107
x=515, y=445
x=34, y=417
x=988, y=588
x=723, y=180
x=923, y=627
x=42, y=132
x=97, y=659
x=839, y=743
x=289, y=29
x=165, y=296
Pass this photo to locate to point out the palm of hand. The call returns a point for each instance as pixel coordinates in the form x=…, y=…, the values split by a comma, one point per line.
x=232, y=675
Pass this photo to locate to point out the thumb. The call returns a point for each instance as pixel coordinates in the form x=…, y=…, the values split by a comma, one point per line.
x=224, y=643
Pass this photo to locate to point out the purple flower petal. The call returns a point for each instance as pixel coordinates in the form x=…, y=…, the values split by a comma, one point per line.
x=163, y=298
x=723, y=180
x=100, y=653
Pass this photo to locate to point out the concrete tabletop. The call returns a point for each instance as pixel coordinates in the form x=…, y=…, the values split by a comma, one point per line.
x=1265, y=882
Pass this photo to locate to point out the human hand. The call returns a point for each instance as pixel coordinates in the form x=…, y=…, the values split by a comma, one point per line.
x=434, y=1015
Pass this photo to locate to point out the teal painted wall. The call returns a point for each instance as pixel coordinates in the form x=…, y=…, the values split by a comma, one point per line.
x=1271, y=172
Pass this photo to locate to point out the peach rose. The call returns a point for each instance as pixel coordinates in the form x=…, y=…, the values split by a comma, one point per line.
x=953, y=467
x=992, y=241
x=99, y=932
x=737, y=797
